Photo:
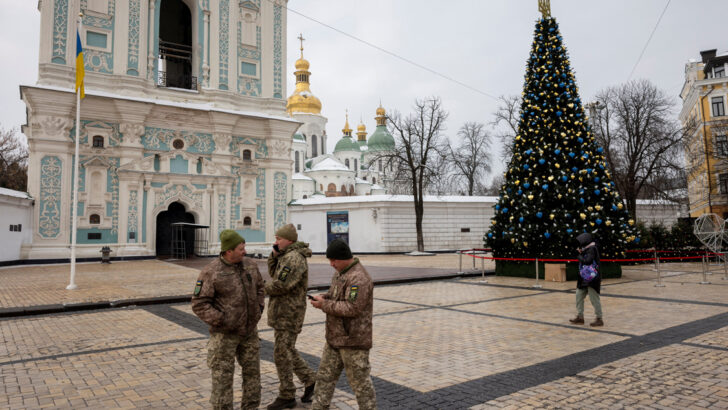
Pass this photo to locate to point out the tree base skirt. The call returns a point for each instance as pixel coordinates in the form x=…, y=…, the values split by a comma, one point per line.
x=528, y=270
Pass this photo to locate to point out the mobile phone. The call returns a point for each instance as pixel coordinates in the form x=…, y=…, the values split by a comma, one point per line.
x=275, y=247
x=310, y=297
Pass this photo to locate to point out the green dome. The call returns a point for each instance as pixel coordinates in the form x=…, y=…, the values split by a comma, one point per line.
x=346, y=143
x=381, y=140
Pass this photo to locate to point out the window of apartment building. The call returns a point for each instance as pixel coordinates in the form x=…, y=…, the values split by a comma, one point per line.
x=719, y=71
x=718, y=106
x=723, y=183
x=721, y=145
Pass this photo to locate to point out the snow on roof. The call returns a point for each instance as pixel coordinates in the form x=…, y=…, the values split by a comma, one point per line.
x=301, y=176
x=329, y=164
x=362, y=181
x=485, y=200
x=13, y=193
x=193, y=106
x=655, y=202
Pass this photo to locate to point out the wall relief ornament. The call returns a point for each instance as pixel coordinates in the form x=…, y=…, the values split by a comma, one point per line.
x=132, y=133
x=55, y=127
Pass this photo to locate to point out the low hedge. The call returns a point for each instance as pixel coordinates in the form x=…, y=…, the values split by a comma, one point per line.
x=609, y=270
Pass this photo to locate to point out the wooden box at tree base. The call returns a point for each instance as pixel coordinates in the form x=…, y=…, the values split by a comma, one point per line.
x=555, y=272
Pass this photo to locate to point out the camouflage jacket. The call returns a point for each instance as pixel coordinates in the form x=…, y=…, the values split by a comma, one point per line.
x=287, y=289
x=348, y=306
x=229, y=297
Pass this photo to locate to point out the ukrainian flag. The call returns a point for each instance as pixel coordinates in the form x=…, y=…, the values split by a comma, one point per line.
x=79, y=65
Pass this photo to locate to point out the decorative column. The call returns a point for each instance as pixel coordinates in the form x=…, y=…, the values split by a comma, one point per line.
x=205, y=50
x=150, y=54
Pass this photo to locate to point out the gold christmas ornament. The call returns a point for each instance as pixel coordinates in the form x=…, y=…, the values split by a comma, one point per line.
x=582, y=216
x=530, y=197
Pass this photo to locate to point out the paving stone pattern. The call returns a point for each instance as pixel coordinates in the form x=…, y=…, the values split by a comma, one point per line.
x=445, y=344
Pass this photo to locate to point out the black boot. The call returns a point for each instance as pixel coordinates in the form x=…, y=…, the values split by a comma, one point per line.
x=308, y=393
x=280, y=404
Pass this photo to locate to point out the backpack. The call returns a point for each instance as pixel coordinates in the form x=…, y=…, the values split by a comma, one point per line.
x=588, y=272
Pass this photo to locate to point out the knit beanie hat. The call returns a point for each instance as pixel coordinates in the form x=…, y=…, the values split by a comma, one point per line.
x=230, y=240
x=339, y=250
x=287, y=231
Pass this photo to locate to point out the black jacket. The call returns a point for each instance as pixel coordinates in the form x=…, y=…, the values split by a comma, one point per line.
x=587, y=255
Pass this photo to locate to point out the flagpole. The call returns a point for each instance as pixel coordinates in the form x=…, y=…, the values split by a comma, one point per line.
x=74, y=208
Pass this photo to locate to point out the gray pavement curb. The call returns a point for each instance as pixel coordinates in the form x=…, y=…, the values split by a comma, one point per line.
x=22, y=311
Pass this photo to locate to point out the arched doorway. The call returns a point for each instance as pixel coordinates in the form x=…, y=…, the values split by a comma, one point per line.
x=175, y=45
x=176, y=212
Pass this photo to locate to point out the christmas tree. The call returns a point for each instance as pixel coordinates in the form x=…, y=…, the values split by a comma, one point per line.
x=557, y=184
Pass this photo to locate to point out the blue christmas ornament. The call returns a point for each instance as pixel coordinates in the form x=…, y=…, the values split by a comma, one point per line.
x=572, y=155
x=505, y=210
x=490, y=235
x=564, y=178
x=547, y=235
x=574, y=169
x=497, y=207
x=545, y=186
x=636, y=240
x=596, y=179
x=526, y=185
x=581, y=200
x=614, y=207
x=557, y=151
x=520, y=219
x=569, y=230
x=528, y=151
x=600, y=149
x=580, y=139
x=539, y=214
x=597, y=192
x=598, y=221
x=519, y=192
x=525, y=166
x=568, y=215
x=541, y=161
x=558, y=113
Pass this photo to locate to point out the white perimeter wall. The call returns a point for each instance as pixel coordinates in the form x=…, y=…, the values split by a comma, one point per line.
x=386, y=223
x=14, y=211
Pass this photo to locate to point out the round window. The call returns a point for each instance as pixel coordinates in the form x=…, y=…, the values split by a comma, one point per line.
x=178, y=144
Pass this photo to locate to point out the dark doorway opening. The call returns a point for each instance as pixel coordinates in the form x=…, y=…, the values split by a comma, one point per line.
x=176, y=212
x=175, y=45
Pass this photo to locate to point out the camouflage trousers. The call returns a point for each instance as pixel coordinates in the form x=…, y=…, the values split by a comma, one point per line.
x=222, y=351
x=356, y=364
x=288, y=361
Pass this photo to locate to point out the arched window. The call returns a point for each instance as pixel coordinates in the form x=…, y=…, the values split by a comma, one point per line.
x=380, y=165
x=297, y=164
x=343, y=189
x=346, y=162
x=356, y=164
x=247, y=221
x=305, y=196
x=247, y=156
x=374, y=180
x=331, y=188
x=98, y=141
x=351, y=190
x=314, y=147
x=175, y=46
x=94, y=219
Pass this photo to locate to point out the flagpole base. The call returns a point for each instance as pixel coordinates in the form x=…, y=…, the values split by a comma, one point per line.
x=72, y=286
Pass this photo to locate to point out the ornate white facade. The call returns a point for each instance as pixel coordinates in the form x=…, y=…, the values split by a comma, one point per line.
x=184, y=120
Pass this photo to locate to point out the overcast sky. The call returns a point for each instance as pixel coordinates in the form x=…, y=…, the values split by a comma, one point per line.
x=483, y=44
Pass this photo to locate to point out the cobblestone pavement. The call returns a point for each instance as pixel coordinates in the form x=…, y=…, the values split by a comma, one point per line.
x=458, y=343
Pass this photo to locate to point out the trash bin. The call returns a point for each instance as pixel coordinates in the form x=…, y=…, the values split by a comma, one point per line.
x=105, y=251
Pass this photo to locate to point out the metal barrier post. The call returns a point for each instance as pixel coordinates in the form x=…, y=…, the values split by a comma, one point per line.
x=656, y=268
x=537, y=285
x=460, y=270
x=725, y=268
x=474, y=253
x=705, y=280
x=659, y=283
x=482, y=265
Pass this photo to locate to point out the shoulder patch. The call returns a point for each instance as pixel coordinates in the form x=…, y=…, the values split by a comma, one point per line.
x=284, y=273
x=198, y=288
x=353, y=292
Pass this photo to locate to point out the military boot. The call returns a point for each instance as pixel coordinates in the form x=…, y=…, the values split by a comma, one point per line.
x=308, y=393
x=280, y=404
x=579, y=320
x=597, y=322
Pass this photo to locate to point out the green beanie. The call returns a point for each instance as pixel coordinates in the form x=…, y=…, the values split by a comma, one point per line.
x=230, y=240
x=287, y=231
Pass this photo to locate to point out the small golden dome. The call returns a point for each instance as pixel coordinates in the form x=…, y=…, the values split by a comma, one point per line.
x=380, y=110
x=302, y=64
x=302, y=99
x=361, y=128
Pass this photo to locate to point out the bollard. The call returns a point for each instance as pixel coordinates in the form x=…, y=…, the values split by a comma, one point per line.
x=460, y=271
x=482, y=265
x=473, y=254
x=705, y=280
x=656, y=268
x=659, y=283
x=537, y=285
x=725, y=268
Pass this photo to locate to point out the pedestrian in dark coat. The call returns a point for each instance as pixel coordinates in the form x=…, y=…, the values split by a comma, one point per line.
x=588, y=254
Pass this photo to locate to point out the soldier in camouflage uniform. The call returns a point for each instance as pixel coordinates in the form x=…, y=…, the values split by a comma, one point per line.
x=288, y=269
x=348, y=306
x=229, y=297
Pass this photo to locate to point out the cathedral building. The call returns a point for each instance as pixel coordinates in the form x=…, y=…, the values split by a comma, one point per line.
x=353, y=168
x=184, y=120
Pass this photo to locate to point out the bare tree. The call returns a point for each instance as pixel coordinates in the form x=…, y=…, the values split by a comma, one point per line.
x=644, y=144
x=419, y=155
x=505, y=122
x=13, y=161
x=470, y=159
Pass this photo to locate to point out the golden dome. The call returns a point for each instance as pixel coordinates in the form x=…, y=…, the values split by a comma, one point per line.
x=381, y=116
x=361, y=128
x=380, y=110
x=346, y=130
x=302, y=99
